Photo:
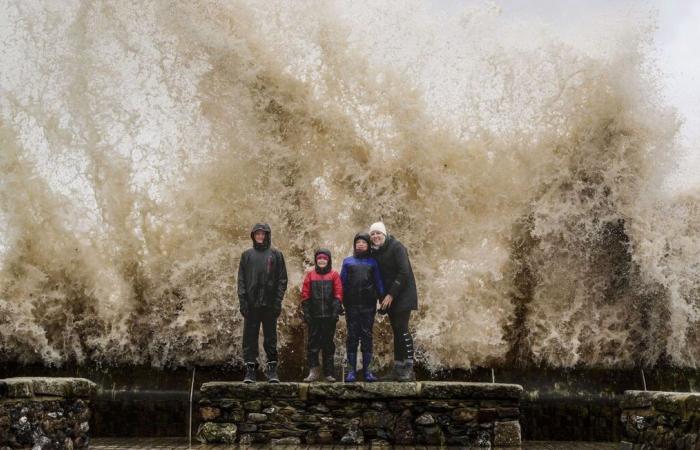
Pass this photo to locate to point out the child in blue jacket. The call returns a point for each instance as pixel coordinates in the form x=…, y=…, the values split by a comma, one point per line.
x=362, y=288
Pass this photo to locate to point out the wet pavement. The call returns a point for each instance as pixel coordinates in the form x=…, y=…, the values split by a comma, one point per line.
x=180, y=444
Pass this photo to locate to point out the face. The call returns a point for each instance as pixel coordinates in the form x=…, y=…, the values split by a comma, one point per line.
x=377, y=238
x=361, y=245
x=259, y=236
x=322, y=263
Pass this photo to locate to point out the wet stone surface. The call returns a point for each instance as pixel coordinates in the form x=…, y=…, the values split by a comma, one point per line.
x=44, y=413
x=660, y=420
x=377, y=414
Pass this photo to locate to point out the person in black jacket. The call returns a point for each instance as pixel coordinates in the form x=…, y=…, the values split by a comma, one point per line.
x=401, y=297
x=262, y=282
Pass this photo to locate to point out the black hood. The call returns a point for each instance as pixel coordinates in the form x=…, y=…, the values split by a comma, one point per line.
x=326, y=252
x=268, y=236
x=365, y=237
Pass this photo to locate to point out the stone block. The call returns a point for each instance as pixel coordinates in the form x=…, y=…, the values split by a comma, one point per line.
x=221, y=433
x=362, y=390
x=450, y=390
x=507, y=434
x=240, y=390
x=209, y=413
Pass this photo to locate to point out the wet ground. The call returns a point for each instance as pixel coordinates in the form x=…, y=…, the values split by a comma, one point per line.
x=181, y=444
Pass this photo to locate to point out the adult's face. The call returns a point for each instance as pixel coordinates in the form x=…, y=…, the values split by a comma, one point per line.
x=259, y=236
x=378, y=238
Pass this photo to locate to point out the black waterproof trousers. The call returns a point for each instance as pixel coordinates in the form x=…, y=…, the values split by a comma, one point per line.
x=360, y=324
x=403, y=342
x=321, y=333
x=255, y=317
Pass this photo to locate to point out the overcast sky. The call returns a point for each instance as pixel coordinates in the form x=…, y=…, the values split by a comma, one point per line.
x=677, y=40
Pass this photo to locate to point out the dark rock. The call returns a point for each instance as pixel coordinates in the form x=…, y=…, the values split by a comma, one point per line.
x=209, y=413
x=509, y=413
x=286, y=441
x=464, y=414
x=224, y=433
x=486, y=415
x=507, y=434
x=425, y=419
x=354, y=435
x=247, y=428
x=257, y=417
x=253, y=406
x=403, y=430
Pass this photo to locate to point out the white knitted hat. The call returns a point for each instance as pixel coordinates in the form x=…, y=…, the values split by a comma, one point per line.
x=378, y=226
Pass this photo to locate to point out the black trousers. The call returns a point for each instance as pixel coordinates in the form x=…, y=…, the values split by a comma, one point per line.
x=251, y=329
x=321, y=333
x=360, y=324
x=403, y=342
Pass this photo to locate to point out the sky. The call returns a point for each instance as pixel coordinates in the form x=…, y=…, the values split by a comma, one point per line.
x=677, y=50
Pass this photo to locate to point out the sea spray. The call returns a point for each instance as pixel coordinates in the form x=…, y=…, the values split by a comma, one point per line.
x=141, y=140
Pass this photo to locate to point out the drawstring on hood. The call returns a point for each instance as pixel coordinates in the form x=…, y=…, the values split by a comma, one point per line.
x=268, y=236
x=329, y=266
x=363, y=237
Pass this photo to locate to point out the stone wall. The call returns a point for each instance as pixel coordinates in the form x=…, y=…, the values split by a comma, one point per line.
x=45, y=413
x=669, y=420
x=433, y=413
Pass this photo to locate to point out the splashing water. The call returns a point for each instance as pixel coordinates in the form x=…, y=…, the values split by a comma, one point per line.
x=139, y=141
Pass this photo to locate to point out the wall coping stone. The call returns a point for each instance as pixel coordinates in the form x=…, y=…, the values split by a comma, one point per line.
x=664, y=401
x=28, y=387
x=362, y=390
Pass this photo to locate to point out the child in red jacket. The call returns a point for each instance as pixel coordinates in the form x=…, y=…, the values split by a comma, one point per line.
x=322, y=303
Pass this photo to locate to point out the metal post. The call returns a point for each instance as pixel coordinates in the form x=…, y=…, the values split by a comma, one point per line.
x=644, y=380
x=493, y=376
x=189, y=434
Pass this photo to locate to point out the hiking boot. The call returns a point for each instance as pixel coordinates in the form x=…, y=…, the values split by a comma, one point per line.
x=330, y=378
x=249, y=373
x=406, y=373
x=351, y=376
x=272, y=372
x=314, y=375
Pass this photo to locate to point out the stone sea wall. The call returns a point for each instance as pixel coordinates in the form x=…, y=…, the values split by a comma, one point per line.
x=669, y=420
x=430, y=413
x=45, y=412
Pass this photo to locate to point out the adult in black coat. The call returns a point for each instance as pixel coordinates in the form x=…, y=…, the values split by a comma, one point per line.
x=401, y=299
x=262, y=282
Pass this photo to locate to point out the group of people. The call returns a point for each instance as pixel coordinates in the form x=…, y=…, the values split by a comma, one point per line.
x=376, y=279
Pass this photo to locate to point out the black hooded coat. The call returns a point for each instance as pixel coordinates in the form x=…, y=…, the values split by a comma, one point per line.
x=397, y=274
x=262, y=274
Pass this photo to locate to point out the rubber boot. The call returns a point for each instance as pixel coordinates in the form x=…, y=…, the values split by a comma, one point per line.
x=272, y=372
x=351, y=376
x=395, y=371
x=366, y=371
x=314, y=375
x=407, y=373
x=249, y=373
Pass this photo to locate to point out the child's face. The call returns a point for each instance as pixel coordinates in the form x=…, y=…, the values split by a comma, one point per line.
x=322, y=262
x=361, y=245
x=259, y=236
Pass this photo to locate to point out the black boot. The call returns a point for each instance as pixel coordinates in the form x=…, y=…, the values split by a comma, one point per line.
x=249, y=373
x=272, y=372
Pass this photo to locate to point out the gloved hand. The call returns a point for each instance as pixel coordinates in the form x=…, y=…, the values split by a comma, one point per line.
x=244, y=311
x=338, y=309
x=306, y=311
x=276, y=310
